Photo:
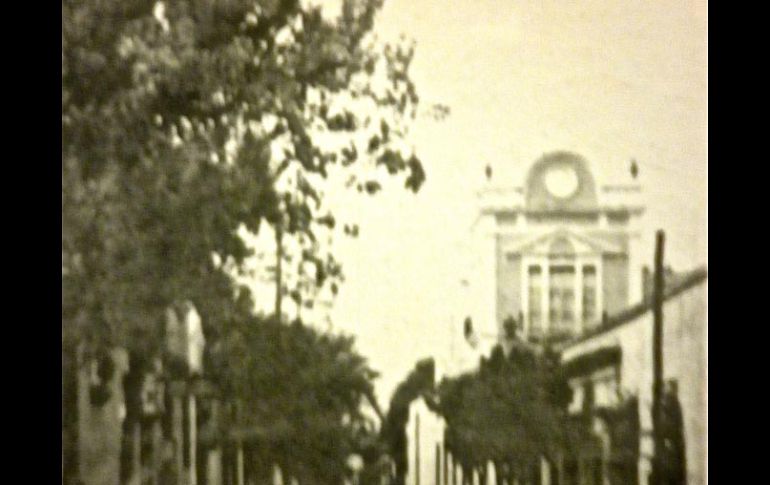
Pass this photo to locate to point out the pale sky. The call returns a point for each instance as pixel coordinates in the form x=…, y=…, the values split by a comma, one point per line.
x=609, y=80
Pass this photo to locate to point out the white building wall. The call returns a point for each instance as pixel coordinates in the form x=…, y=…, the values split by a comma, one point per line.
x=684, y=359
x=425, y=430
x=637, y=259
x=484, y=281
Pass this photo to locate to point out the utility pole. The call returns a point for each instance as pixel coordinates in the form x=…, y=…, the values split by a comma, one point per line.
x=657, y=359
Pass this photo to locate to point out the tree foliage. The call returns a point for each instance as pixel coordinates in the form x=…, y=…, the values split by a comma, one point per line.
x=298, y=397
x=186, y=120
x=511, y=411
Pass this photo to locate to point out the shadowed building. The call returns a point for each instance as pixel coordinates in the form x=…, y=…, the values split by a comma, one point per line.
x=612, y=366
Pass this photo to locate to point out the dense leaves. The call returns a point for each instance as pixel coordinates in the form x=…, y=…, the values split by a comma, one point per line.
x=511, y=412
x=300, y=396
x=184, y=121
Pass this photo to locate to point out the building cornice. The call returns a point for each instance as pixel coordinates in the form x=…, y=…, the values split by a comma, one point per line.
x=635, y=210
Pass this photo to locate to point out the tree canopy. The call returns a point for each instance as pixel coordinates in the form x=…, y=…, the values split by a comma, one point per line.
x=185, y=121
x=299, y=398
x=511, y=411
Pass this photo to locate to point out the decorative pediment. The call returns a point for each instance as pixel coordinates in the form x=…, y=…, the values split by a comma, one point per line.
x=563, y=242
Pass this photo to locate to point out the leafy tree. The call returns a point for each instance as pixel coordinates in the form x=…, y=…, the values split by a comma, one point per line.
x=186, y=120
x=297, y=398
x=511, y=412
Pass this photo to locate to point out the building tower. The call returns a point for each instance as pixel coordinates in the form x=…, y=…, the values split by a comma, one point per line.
x=565, y=249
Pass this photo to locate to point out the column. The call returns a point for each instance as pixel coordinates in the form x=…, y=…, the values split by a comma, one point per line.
x=277, y=475
x=525, y=263
x=193, y=442
x=545, y=472
x=214, y=458
x=636, y=261
x=599, y=287
x=599, y=291
x=491, y=476
x=417, y=449
x=546, y=296
x=178, y=431
x=214, y=467
x=239, y=473
x=580, y=324
x=157, y=450
x=136, y=445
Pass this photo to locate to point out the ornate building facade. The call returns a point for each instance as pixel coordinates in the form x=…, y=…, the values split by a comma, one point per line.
x=562, y=258
x=565, y=248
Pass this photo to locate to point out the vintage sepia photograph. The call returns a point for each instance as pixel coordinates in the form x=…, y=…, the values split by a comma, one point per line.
x=384, y=242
